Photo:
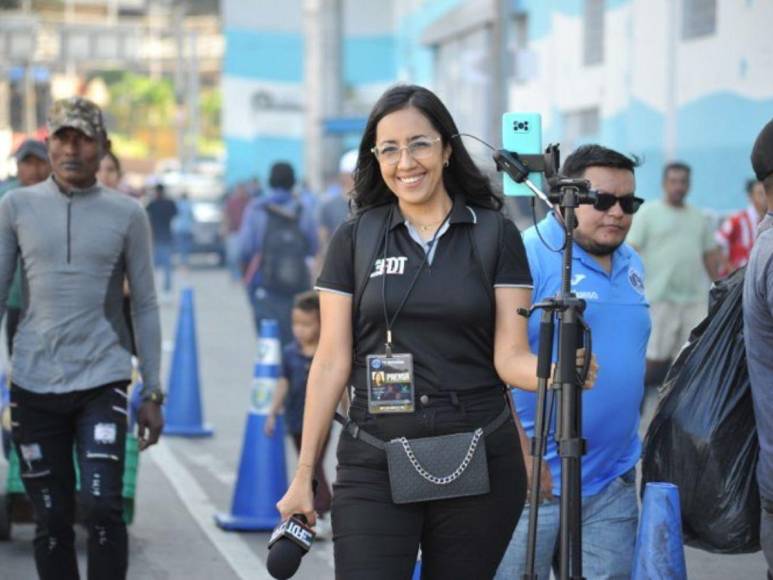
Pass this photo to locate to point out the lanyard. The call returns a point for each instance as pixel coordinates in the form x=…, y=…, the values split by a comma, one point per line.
x=390, y=322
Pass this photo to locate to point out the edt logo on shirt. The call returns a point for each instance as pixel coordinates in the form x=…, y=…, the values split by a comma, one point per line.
x=389, y=266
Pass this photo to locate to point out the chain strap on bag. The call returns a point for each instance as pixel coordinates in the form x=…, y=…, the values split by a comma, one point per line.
x=477, y=434
x=413, y=464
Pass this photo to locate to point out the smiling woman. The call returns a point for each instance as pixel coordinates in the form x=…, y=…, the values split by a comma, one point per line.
x=421, y=141
x=422, y=285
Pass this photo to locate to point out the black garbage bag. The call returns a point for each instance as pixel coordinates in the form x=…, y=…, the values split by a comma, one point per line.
x=703, y=437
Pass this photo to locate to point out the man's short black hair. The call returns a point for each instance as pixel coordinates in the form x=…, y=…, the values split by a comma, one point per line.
x=676, y=166
x=307, y=301
x=594, y=155
x=282, y=176
x=768, y=184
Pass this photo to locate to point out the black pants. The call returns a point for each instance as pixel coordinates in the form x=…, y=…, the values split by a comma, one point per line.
x=45, y=427
x=462, y=538
x=274, y=306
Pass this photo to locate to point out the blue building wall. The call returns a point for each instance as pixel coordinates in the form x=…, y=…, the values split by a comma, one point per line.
x=265, y=54
x=369, y=59
x=713, y=129
x=725, y=76
x=254, y=58
x=415, y=61
x=715, y=135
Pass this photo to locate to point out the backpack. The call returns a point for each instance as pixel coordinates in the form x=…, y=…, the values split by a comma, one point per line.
x=283, y=265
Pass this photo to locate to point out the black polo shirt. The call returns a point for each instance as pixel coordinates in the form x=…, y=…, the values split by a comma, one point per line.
x=447, y=323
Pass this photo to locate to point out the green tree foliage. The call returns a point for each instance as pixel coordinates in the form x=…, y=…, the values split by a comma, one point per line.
x=210, y=104
x=138, y=101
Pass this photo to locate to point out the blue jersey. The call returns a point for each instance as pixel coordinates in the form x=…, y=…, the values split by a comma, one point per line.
x=618, y=315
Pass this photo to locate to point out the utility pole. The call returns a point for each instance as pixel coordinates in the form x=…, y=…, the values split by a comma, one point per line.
x=672, y=28
x=182, y=114
x=322, y=72
x=194, y=124
x=501, y=68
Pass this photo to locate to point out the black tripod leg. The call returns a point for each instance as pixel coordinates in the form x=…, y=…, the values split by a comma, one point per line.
x=577, y=503
x=569, y=448
x=541, y=427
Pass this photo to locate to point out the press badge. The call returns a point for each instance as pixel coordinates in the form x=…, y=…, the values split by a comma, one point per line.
x=390, y=383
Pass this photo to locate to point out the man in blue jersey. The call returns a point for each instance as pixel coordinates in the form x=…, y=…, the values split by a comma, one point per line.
x=608, y=274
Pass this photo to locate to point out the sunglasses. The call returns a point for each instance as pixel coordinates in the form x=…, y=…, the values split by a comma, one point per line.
x=630, y=204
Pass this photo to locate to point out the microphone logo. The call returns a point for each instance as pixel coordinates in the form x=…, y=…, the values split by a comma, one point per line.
x=294, y=530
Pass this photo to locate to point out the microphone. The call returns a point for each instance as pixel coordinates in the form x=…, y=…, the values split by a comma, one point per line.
x=289, y=542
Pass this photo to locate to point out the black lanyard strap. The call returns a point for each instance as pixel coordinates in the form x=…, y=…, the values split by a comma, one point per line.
x=390, y=322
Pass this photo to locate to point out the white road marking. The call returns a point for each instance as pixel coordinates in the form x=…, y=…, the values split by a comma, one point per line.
x=244, y=562
x=215, y=467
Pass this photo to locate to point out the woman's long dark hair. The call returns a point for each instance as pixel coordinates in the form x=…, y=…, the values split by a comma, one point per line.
x=461, y=176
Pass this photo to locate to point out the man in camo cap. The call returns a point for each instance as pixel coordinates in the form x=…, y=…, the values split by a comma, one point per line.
x=71, y=363
x=77, y=113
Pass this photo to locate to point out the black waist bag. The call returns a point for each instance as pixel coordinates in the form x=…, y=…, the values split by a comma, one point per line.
x=433, y=468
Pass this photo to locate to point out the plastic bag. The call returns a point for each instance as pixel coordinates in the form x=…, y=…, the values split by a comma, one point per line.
x=703, y=437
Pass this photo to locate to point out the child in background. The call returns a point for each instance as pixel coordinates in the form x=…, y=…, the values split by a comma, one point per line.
x=291, y=391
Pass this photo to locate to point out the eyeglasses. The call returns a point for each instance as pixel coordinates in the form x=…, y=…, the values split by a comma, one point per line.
x=418, y=149
x=630, y=204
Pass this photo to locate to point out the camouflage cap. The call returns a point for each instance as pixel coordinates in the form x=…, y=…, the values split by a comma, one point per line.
x=78, y=113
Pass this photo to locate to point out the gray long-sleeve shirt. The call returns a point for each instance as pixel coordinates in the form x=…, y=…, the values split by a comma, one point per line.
x=758, y=337
x=75, y=251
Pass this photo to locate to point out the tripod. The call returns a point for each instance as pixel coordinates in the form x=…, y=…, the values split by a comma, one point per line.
x=567, y=194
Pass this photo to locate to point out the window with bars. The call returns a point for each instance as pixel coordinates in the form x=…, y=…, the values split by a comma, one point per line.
x=593, y=32
x=699, y=18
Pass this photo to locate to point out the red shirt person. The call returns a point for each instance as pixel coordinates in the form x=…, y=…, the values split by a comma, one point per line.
x=737, y=233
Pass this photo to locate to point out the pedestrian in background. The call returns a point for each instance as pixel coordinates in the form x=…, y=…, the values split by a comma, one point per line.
x=609, y=276
x=110, y=176
x=161, y=211
x=277, y=241
x=676, y=242
x=32, y=166
x=235, y=204
x=758, y=336
x=334, y=210
x=737, y=233
x=290, y=393
x=71, y=365
x=182, y=226
x=109, y=173
x=427, y=296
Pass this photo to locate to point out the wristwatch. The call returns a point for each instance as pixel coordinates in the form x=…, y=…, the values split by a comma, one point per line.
x=154, y=396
